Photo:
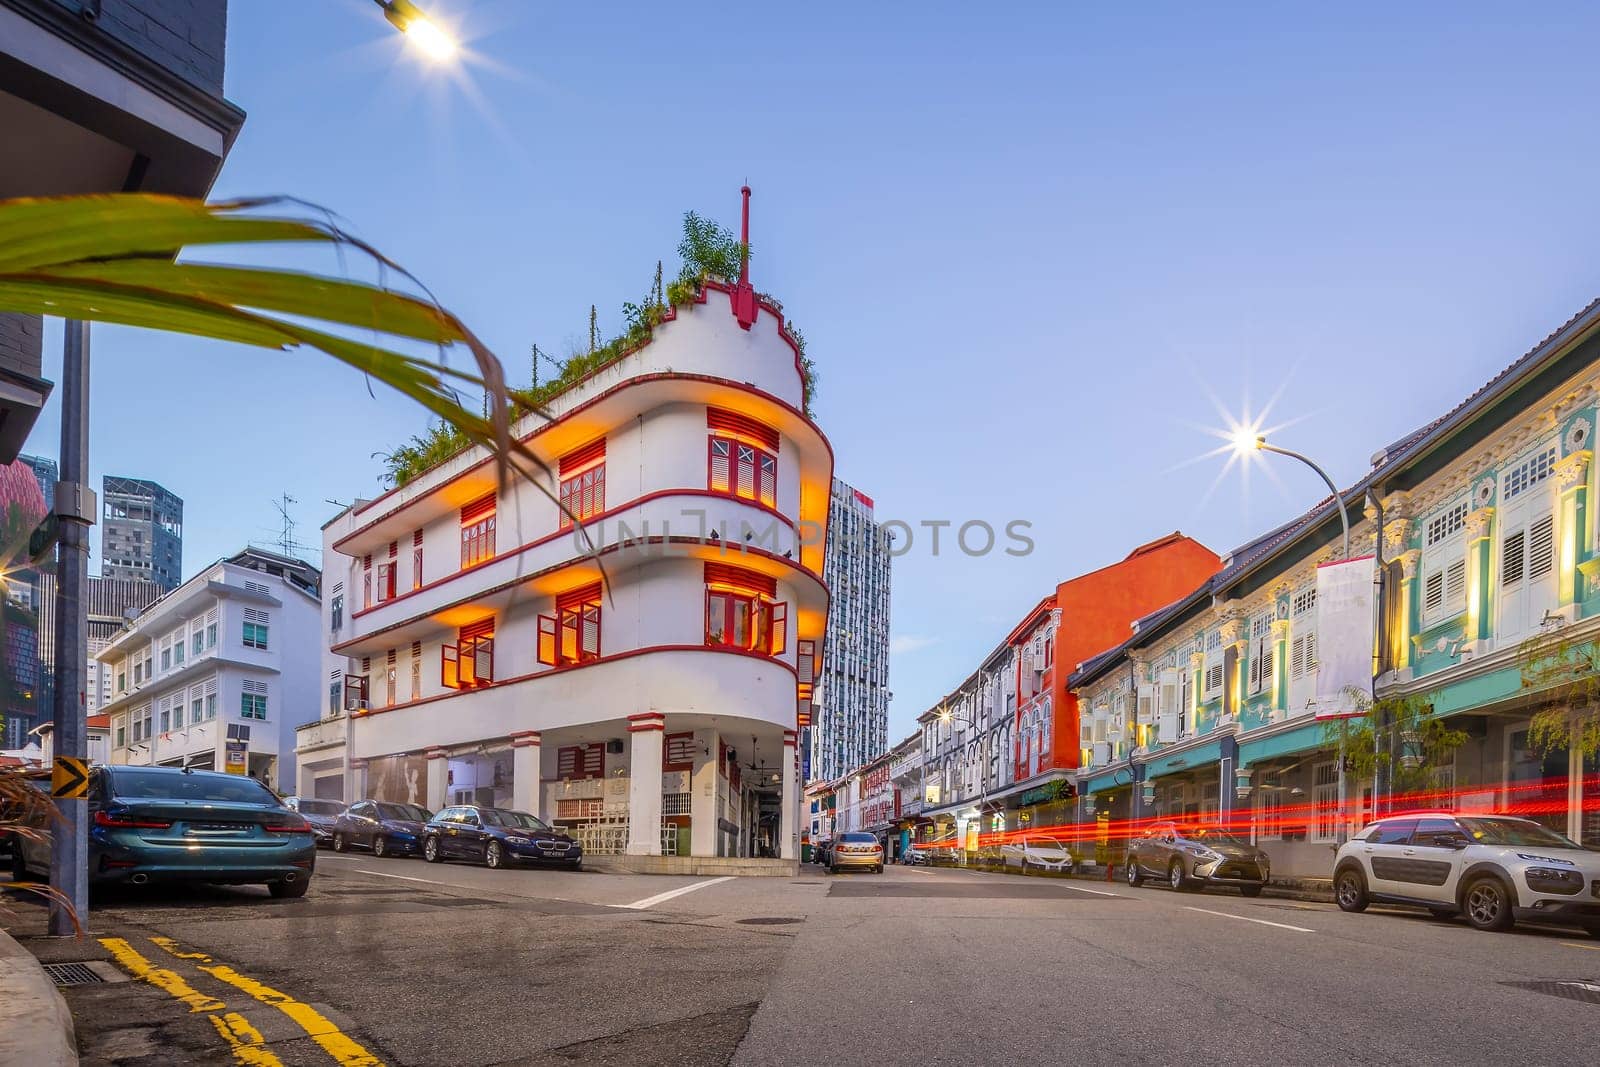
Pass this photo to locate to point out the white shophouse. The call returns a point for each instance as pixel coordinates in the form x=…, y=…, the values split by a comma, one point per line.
x=643, y=695
x=227, y=663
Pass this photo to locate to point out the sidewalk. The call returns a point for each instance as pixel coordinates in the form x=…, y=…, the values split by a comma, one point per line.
x=1316, y=890
x=35, y=1025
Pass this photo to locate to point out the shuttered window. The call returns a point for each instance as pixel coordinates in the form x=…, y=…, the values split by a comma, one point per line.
x=477, y=531
x=572, y=634
x=581, y=761
x=742, y=470
x=470, y=661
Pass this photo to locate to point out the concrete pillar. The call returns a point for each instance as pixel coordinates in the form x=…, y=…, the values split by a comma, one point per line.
x=789, y=807
x=703, y=795
x=526, y=792
x=1575, y=784
x=645, y=734
x=355, y=784
x=438, y=779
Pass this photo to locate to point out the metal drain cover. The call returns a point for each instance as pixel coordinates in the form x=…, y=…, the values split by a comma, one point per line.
x=1580, y=989
x=768, y=920
x=72, y=973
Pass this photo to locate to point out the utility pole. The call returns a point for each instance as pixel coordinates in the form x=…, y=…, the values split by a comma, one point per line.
x=76, y=511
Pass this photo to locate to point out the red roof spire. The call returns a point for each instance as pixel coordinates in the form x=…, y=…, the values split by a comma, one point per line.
x=744, y=295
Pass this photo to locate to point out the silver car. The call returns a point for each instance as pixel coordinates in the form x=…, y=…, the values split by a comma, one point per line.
x=1194, y=857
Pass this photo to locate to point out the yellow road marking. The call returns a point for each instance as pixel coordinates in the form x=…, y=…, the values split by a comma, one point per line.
x=344, y=1051
x=1574, y=944
x=159, y=977
x=171, y=947
x=244, y=1039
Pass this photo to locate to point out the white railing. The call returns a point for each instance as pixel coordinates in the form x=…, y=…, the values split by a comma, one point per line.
x=601, y=837
x=669, y=839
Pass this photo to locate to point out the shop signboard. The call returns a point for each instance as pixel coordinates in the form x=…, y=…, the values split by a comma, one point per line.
x=236, y=759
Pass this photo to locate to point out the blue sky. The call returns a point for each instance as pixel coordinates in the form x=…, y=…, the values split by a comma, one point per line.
x=1027, y=245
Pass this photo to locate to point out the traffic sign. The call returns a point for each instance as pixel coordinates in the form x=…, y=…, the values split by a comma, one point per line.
x=69, y=780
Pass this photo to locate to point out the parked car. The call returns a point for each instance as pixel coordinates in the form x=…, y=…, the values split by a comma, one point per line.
x=915, y=856
x=321, y=814
x=1195, y=857
x=381, y=827
x=497, y=837
x=168, y=824
x=856, y=850
x=1037, y=852
x=1491, y=869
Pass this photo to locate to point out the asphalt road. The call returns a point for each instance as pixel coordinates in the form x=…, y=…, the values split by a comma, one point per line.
x=400, y=962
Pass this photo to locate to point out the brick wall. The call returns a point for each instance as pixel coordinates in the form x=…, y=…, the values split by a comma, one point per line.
x=185, y=36
x=21, y=343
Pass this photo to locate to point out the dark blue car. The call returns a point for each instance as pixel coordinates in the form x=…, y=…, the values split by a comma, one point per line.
x=496, y=837
x=166, y=824
x=383, y=828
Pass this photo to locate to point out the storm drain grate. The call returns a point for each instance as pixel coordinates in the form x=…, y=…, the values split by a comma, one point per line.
x=1572, y=988
x=767, y=920
x=72, y=973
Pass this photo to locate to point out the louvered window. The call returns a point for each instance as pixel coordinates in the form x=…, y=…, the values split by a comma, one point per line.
x=255, y=628
x=581, y=761
x=1444, y=567
x=583, y=495
x=477, y=531
x=572, y=634
x=470, y=661
x=677, y=752
x=1541, y=547
x=742, y=470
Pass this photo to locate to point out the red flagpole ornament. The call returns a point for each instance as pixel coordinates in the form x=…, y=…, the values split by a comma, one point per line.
x=744, y=294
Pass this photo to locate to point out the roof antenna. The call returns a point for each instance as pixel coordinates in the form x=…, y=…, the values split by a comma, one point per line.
x=744, y=295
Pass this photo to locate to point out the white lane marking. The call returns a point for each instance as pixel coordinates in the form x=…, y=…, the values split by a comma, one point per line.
x=408, y=878
x=1096, y=892
x=1246, y=918
x=661, y=898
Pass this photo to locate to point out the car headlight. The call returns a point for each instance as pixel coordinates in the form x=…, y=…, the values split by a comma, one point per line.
x=1550, y=880
x=519, y=840
x=1201, y=852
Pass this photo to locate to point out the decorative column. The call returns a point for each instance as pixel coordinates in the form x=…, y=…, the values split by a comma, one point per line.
x=1406, y=607
x=1572, y=482
x=1197, y=682
x=645, y=734
x=789, y=801
x=1280, y=666
x=438, y=778
x=703, y=795
x=1235, y=633
x=527, y=792
x=1479, y=527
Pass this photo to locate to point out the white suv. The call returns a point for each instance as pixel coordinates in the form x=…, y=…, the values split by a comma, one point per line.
x=1491, y=869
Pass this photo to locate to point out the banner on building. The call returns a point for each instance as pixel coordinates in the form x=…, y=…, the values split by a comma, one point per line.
x=1346, y=631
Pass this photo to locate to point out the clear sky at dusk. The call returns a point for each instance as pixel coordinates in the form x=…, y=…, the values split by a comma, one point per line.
x=1027, y=244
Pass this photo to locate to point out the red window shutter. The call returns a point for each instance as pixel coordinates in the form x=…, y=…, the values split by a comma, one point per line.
x=581, y=457
x=594, y=761
x=740, y=578
x=589, y=646
x=484, y=627
x=746, y=485
x=767, y=476
x=780, y=629
x=719, y=477
x=568, y=762
x=716, y=618
x=547, y=640
x=568, y=652
x=677, y=752
x=416, y=560
x=480, y=508
x=576, y=598
x=449, y=667
x=483, y=660
x=742, y=425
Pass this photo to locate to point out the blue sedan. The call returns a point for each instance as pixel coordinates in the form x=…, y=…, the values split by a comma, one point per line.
x=166, y=824
x=381, y=827
x=497, y=837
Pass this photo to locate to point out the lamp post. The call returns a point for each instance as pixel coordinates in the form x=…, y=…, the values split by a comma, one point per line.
x=1260, y=444
x=421, y=30
x=946, y=716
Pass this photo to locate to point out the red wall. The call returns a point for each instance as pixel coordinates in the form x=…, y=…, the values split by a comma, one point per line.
x=1098, y=608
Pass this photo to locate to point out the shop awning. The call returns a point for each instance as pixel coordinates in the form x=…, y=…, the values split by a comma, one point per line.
x=1208, y=754
x=1306, y=738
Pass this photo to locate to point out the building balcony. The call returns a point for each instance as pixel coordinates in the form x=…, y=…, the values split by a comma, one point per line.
x=324, y=733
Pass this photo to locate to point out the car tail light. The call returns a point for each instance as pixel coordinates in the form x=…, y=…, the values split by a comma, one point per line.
x=300, y=827
x=129, y=822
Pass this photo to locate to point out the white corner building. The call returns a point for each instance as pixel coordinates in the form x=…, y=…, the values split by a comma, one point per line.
x=225, y=665
x=642, y=694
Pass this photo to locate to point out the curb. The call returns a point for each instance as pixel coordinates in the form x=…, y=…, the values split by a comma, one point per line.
x=1313, y=890
x=35, y=1025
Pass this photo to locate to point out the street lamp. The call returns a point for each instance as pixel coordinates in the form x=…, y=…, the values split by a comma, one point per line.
x=423, y=31
x=947, y=716
x=1246, y=440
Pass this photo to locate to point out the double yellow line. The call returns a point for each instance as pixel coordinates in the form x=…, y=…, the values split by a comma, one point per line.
x=243, y=1039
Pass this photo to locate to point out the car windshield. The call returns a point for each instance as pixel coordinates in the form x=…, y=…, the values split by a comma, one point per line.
x=858, y=839
x=1515, y=832
x=320, y=807
x=403, y=812
x=516, y=820
x=1213, y=836
x=151, y=784
x=1045, y=842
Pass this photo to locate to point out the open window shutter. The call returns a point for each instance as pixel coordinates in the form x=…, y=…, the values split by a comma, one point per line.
x=449, y=667
x=483, y=660
x=1167, y=707
x=568, y=762
x=547, y=640
x=746, y=470
x=1255, y=667
x=780, y=629
x=769, y=480
x=594, y=760
x=590, y=644
x=569, y=635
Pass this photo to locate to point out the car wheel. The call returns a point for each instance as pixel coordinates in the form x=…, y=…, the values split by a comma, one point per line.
x=380, y=846
x=430, y=851
x=1250, y=890
x=577, y=865
x=1488, y=904
x=1134, y=876
x=339, y=844
x=493, y=856
x=1176, y=877
x=296, y=888
x=1350, y=890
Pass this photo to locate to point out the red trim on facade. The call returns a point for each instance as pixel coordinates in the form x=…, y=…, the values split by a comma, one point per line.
x=728, y=574
x=646, y=727
x=789, y=738
x=577, y=598
x=582, y=456
x=474, y=510
x=525, y=739
x=435, y=753
x=568, y=532
x=724, y=651
x=742, y=426
x=641, y=379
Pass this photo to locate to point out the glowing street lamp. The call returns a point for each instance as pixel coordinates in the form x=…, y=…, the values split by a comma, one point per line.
x=423, y=32
x=1246, y=440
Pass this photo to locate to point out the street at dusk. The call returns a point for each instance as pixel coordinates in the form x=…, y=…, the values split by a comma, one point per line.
x=536, y=533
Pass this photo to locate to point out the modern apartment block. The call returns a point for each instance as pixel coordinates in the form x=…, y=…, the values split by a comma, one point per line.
x=476, y=652
x=851, y=724
x=142, y=534
x=218, y=673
